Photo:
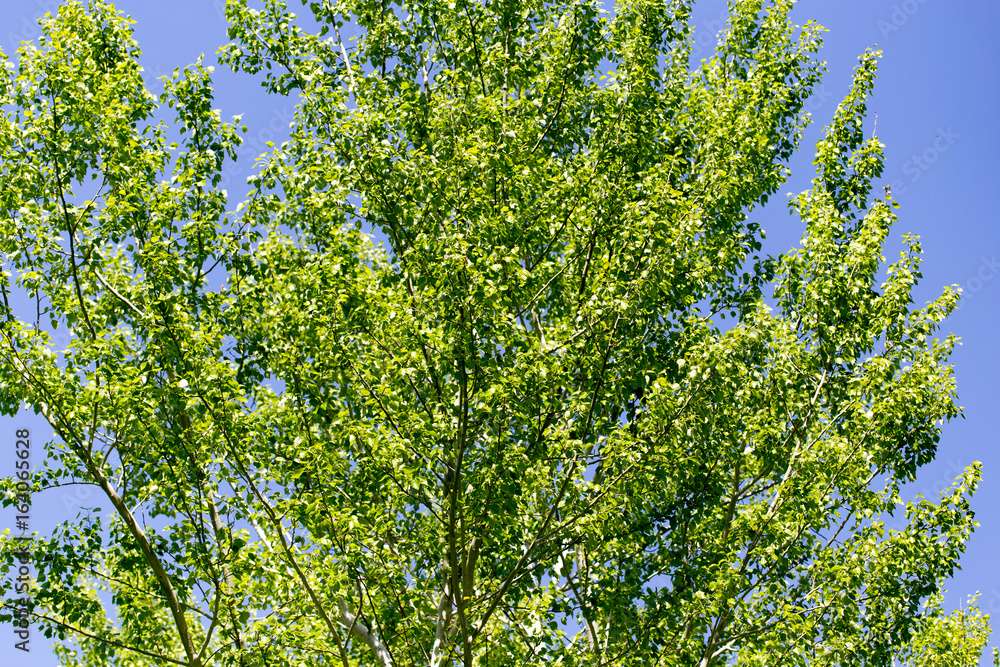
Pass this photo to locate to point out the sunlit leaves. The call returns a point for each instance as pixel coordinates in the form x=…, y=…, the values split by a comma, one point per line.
x=569, y=411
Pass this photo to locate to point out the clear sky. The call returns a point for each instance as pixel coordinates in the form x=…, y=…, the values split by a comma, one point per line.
x=936, y=102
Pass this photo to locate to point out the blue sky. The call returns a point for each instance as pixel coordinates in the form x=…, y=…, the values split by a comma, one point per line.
x=936, y=101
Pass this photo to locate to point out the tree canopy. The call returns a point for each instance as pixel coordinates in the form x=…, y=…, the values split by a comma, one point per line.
x=568, y=411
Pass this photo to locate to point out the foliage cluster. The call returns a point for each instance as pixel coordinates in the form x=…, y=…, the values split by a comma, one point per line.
x=570, y=413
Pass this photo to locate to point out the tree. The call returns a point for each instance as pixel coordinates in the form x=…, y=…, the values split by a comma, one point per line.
x=568, y=412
